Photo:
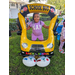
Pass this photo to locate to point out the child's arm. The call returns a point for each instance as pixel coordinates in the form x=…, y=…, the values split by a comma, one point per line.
x=28, y=28
x=47, y=27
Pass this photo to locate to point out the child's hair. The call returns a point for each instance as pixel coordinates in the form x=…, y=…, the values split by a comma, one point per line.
x=64, y=22
x=34, y=14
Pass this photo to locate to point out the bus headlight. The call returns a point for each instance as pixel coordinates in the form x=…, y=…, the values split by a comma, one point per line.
x=50, y=45
x=24, y=45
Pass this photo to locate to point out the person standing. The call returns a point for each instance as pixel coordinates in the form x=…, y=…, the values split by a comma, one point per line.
x=62, y=39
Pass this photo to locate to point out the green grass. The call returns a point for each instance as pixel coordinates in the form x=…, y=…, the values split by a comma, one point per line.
x=16, y=67
x=60, y=20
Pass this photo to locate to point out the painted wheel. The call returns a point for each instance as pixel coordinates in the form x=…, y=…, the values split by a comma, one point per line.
x=29, y=61
x=43, y=61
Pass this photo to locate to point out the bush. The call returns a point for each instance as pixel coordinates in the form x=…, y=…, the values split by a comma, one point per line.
x=62, y=13
x=44, y=14
x=43, y=17
x=12, y=20
x=12, y=26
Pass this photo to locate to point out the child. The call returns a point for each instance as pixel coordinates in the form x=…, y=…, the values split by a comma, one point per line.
x=62, y=39
x=36, y=26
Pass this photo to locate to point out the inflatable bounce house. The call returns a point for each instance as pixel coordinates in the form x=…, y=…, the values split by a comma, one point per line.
x=36, y=52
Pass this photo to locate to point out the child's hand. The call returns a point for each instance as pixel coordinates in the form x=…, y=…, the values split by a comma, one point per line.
x=28, y=28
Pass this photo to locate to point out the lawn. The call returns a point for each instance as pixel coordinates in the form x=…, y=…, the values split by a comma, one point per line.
x=16, y=67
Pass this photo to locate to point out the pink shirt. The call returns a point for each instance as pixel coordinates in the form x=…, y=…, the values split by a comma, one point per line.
x=63, y=33
x=36, y=27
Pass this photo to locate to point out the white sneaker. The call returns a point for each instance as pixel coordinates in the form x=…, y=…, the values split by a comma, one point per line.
x=62, y=51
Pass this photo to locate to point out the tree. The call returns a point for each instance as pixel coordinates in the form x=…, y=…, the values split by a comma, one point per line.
x=31, y=0
x=59, y=4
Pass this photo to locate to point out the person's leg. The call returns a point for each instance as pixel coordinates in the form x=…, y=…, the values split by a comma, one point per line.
x=40, y=37
x=61, y=46
x=34, y=37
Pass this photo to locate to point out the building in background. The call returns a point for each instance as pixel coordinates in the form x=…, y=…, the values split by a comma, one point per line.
x=14, y=7
x=41, y=1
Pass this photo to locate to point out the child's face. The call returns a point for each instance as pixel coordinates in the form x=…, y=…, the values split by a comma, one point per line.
x=36, y=18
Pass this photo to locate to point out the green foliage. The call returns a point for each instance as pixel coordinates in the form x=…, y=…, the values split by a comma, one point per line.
x=60, y=19
x=31, y=0
x=43, y=17
x=12, y=26
x=59, y=4
x=42, y=14
x=62, y=13
x=12, y=20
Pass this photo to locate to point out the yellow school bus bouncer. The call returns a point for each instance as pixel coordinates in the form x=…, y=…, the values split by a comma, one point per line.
x=29, y=47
